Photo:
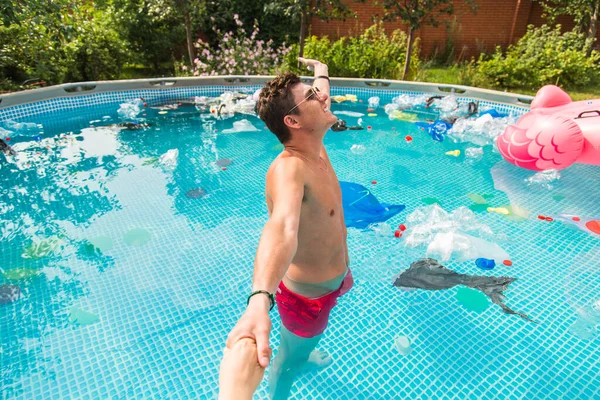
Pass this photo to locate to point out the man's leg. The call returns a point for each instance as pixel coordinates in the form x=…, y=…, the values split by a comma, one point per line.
x=295, y=354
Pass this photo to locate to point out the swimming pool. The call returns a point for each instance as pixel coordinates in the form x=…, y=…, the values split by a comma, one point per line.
x=133, y=270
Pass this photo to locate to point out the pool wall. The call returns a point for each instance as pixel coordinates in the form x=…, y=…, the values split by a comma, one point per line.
x=73, y=96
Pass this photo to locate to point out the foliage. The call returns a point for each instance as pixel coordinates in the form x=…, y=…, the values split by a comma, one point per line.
x=418, y=13
x=371, y=55
x=582, y=11
x=544, y=56
x=415, y=14
x=326, y=10
x=76, y=43
x=237, y=54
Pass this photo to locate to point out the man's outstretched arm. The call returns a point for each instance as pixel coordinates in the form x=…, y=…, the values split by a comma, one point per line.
x=276, y=251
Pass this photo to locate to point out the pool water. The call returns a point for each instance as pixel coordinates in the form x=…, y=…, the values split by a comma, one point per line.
x=133, y=271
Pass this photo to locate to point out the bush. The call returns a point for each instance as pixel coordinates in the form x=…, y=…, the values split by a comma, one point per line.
x=237, y=54
x=86, y=47
x=96, y=53
x=543, y=56
x=370, y=55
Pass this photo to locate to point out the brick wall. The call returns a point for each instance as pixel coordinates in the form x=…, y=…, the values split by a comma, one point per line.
x=496, y=23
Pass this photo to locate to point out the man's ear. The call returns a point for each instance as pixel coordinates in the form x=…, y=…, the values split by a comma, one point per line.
x=291, y=122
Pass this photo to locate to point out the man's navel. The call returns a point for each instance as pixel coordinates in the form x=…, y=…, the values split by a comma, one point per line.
x=331, y=213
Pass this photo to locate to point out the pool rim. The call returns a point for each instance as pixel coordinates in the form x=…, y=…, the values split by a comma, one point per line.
x=78, y=89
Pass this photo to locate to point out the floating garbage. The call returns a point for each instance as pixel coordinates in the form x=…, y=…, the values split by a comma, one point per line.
x=358, y=149
x=481, y=131
x=373, y=102
x=137, y=237
x=349, y=113
x=348, y=97
x=82, y=317
x=472, y=300
x=405, y=101
x=544, y=178
x=450, y=235
x=403, y=344
x=21, y=273
x=223, y=162
x=582, y=290
x=241, y=126
x=473, y=153
x=169, y=159
x=103, y=243
x=445, y=104
x=429, y=274
x=195, y=193
x=454, y=153
x=9, y=293
x=131, y=109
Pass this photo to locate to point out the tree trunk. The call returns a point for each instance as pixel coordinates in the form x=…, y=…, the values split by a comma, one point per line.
x=188, y=34
x=594, y=23
x=303, y=22
x=408, y=53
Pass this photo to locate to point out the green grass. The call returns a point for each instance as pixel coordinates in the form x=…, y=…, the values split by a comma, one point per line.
x=452, y=75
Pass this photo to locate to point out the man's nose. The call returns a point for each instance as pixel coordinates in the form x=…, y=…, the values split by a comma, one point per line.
x=323, y=97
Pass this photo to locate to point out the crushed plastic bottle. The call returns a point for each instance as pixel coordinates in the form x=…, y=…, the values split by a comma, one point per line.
x=358, y=149
x=544, y=178
x=169, y=159
x=374, y=102
x=473, y=153
x=131, y=109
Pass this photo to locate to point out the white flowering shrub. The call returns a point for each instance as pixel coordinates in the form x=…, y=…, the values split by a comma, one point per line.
x=237, y=54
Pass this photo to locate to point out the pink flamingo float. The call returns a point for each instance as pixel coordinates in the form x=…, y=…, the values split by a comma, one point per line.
x=556, y=133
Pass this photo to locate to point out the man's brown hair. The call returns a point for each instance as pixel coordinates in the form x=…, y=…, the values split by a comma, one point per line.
x=274, y=102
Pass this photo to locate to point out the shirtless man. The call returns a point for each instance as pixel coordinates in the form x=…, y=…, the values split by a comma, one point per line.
x=302, y=256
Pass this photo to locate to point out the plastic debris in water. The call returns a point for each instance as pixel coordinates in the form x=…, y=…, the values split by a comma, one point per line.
x=103, y=243
x=485, y=263
x=195, y=193
x=472, y=300
x=498, y=210
x=82, y=317
x=41, y=248
x=517, y=213
x=403, y=344
x=428, y=274
x=477, y=198
x=544, y=178
x=131, y=109
x=224, y=162
x=454, y=153
x=582, y=292
x=473, y=153
x=169, y=159
x=350, y=113
x=241, y=126
x=374, y=102
x=137, y=237
x=20, y=273
x=9, y=293
x=358, y=149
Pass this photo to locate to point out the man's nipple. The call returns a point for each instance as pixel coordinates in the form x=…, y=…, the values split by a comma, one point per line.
x=331, y=213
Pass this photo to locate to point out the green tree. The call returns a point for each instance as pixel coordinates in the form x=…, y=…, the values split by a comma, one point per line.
x=418, y=13
x=584, y=12
x=327, y=10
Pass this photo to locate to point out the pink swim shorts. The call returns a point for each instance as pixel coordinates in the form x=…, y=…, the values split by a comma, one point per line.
x=306, y=317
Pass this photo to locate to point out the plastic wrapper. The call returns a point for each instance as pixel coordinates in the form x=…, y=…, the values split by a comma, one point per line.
x=374, y=102
x=169, y=159
x=457, y=235
x=131, y=109
x=544, y=178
